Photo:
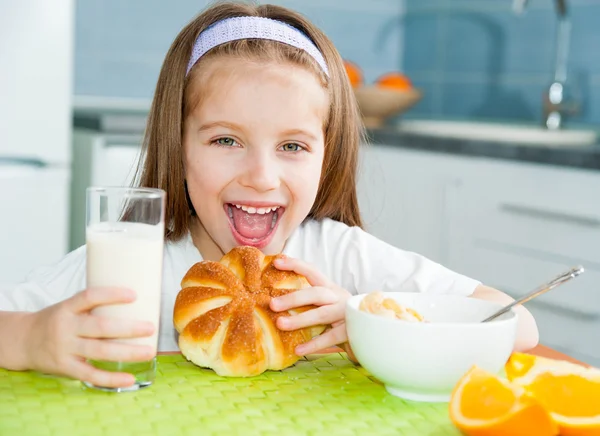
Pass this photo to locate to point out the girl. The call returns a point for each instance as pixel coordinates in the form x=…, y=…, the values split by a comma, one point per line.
x=254, y=134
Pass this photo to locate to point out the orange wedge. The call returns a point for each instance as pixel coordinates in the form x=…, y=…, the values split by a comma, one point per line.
x=483, y=404
x=522, y=365
x=570, y=392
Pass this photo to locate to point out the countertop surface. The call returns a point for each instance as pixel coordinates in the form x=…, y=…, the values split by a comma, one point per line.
x=575, y=156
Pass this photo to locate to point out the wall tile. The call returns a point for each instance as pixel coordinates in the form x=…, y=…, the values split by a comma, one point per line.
x=413, y=6
x=452, y=49
x=422, y=42
x=87, y=38
x=429, y=105
x=585, y=38
x=341, y=6
x=492, y=63
x=492, y=100
x=371, y=39
x=132, y=78
x=590, y=99
x=128, y=39
x=88, y=69
x=120, y=45
x=499, y=43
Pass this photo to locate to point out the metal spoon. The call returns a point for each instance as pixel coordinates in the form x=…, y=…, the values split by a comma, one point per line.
x=564, y=277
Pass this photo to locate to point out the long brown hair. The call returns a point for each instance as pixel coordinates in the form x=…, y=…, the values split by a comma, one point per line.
x=161, y=165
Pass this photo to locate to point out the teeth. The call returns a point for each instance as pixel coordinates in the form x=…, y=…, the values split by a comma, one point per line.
x=258, y=210
x=274, y=220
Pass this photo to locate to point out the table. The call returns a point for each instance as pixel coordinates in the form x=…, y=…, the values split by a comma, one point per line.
x=544, y=351
x=323, y=393
x=540, y=350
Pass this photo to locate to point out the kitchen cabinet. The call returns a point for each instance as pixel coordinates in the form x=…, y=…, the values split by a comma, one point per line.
x=510, y=224
x=99, y=159
x=402, y=195
x=34, y=220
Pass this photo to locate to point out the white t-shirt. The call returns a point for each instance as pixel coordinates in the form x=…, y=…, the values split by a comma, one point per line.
x=348, y=256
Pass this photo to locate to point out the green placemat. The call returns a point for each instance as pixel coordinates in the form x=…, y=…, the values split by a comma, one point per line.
x=321, y=394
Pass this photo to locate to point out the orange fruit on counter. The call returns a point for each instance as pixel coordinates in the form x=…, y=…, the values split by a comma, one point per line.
x=570, y=392
x=483, y=404
x=354, y=73
x=394, y=80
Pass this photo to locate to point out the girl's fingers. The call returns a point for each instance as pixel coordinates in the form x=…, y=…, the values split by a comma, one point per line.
x=330, y=338
x=99, y=349
x=102, y=327
x=83, y=371
x=314, y=276
x=315, y=295
x=321, y=315
x=86, y=300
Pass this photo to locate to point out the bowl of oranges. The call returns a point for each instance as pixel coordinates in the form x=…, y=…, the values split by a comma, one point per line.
x=391, y=94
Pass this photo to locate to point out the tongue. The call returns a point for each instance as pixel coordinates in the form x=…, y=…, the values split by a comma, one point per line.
x=252, y=226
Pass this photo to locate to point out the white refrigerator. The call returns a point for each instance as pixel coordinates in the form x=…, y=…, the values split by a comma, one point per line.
x=36, y=75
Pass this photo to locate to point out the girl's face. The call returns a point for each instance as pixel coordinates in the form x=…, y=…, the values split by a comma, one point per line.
x=253, y=151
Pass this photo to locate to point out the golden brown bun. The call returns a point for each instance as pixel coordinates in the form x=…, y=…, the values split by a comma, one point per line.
x=223, y=317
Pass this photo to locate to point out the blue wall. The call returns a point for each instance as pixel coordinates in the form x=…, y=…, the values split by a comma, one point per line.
x=120, y=44
x=478, y=59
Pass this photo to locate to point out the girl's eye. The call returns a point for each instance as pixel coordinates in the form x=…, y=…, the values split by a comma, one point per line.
x=291, y=147
x=226, y=142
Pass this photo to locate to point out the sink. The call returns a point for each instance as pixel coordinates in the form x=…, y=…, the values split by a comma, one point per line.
x=498, y=132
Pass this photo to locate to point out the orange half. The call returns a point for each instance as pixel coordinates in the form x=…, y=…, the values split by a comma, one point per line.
x=570, y=392
x=483, y=404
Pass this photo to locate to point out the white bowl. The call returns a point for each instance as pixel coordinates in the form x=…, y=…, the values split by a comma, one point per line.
x=424, y=361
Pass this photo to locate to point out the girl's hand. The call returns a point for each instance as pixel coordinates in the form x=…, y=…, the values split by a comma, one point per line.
x=331, y=302
x=61, y=337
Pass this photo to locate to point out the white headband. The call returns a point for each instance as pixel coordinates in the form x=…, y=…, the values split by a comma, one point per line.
x=231, y=29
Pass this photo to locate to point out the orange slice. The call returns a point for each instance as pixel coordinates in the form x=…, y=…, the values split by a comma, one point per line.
x=519, y=365
x=354, y=73
x=570, y=392
x=485, y=404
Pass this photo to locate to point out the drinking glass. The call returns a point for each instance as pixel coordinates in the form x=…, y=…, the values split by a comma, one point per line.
x=124, y=248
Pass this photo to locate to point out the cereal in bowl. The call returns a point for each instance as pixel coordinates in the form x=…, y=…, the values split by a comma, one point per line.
x=377, y=304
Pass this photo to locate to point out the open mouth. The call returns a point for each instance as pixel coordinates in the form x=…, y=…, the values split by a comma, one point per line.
x=251, y=225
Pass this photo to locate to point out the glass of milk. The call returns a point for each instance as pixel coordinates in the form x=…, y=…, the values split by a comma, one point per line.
x=124, y=248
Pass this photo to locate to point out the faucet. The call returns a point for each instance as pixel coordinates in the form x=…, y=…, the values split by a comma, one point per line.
x=556, y=106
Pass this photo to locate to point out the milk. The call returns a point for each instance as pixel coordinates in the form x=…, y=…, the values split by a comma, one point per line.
x=128, y=255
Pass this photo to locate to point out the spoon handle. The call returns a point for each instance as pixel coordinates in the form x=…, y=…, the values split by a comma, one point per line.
x=564, y=277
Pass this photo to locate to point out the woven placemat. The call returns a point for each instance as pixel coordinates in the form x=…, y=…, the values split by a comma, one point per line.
x=320, y=395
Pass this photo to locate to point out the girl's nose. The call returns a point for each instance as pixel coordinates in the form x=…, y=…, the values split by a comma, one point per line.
x=262, y=172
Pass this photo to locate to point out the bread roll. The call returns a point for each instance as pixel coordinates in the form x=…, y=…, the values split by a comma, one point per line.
x=223, y=317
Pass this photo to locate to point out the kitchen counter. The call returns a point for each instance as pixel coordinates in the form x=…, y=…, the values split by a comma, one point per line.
x=119, y=115
x=576, y=156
